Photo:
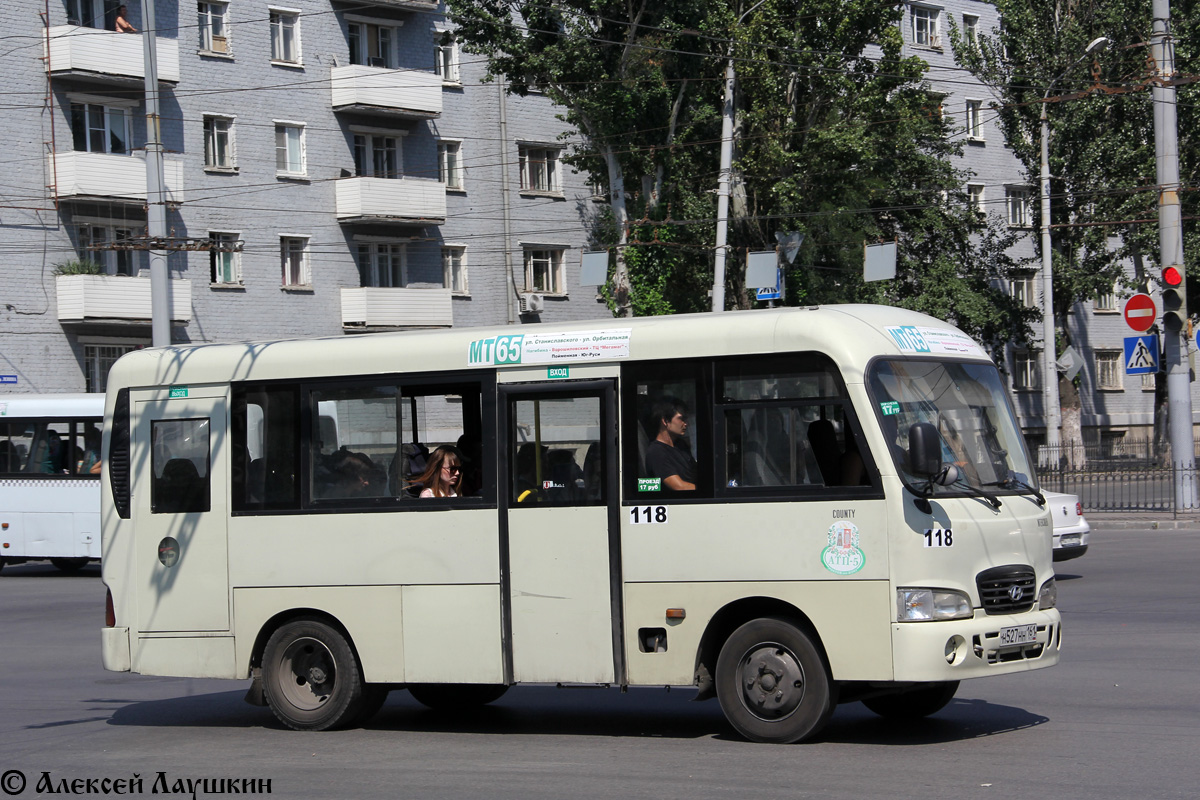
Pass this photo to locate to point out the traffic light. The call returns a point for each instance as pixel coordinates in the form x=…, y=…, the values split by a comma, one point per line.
x=1174, y=298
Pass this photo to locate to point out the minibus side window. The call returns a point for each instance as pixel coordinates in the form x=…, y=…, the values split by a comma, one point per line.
x=667, y=424
x=266, y=447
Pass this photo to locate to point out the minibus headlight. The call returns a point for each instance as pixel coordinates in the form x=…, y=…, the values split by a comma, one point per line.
x=925, y=605
x=1048, y=596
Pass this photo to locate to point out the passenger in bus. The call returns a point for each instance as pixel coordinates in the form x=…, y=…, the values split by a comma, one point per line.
x=530, y=472
x=442, y=474
x=355, y=475
x=49, y=454
x=471, y=449
x=668, y=456
x=90, y=463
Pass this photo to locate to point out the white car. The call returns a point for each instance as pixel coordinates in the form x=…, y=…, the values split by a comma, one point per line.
x=1070, y=528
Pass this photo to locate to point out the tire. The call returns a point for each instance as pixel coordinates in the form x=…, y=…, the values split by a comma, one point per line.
x=773, y=683
x=456, y=696
x=926, y=699
x=374, y=696
x=69, y=564
x=311, y=677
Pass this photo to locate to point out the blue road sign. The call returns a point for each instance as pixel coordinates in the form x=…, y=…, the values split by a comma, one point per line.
x=771, y=292
x=1141, y=355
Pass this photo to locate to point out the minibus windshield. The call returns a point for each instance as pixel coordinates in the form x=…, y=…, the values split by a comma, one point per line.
x=968, y=406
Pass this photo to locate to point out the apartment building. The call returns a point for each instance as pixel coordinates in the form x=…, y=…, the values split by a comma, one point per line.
x=331, y=168
x=1117, y=410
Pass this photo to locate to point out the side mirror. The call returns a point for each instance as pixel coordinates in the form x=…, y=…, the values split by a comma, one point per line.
x=924, y=449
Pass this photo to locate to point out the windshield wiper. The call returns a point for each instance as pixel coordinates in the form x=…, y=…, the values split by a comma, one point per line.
x=1014, y=481
x=951, y=478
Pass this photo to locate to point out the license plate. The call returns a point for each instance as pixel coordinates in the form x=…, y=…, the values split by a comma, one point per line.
x=1073, y=540
x=1018, y=634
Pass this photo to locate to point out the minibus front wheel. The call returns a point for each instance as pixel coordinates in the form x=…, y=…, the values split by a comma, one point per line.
x=311, y=677
x=772, y=682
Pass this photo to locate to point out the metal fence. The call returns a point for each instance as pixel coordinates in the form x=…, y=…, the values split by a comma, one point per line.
x=1117, y=476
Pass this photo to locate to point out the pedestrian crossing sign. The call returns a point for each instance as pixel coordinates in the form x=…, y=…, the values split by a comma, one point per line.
x=1141, y=355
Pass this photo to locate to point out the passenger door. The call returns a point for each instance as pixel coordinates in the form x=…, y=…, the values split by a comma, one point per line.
x=180, y=511
x=562, y=549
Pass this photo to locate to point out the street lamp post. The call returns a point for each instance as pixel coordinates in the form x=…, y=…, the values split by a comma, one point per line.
x=1052, y=408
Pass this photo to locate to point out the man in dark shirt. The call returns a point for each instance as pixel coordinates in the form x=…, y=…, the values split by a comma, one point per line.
x=667, y=457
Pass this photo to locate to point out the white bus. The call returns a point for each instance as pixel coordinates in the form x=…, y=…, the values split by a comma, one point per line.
x=786, y=509
x=50, y=478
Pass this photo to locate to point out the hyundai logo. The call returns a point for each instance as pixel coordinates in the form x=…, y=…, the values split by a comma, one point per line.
x=1015, y=593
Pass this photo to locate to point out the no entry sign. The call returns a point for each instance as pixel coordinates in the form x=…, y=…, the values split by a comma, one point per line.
x=1140, y=313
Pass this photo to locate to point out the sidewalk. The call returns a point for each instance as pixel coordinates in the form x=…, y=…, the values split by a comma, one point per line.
x=1146, y=520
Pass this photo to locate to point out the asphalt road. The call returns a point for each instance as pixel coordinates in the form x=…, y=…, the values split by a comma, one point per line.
x=1118, y=718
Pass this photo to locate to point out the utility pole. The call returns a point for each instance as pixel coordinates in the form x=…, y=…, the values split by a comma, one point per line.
x=722, y=248
x=1170, y=241
x=156, y=199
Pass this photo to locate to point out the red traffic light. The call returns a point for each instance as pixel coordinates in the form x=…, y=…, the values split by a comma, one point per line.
x=1172, y=276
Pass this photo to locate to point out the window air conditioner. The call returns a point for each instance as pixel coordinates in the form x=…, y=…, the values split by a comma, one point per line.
x=376, y=61
x=532, y=303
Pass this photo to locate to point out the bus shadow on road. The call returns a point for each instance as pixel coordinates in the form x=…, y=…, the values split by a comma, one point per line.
x=546, y=711
x=961, y=720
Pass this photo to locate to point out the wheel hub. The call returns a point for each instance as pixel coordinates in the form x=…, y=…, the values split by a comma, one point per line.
x=772, y=681
x=311, y=665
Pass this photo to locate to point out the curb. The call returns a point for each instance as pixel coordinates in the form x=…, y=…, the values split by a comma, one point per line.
x=1100, y=523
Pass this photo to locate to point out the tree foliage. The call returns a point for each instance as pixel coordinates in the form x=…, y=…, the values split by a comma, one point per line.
x=1101, y=116
x=839, y=137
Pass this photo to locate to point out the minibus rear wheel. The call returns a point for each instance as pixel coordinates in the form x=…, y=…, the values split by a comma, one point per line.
x=311, y=677
x=772, y=682
x=915, y=703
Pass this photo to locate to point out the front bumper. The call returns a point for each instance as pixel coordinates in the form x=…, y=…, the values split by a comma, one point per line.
x=970, y=648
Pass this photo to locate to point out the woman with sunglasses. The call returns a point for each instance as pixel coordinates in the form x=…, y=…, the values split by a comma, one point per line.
x=442, y=473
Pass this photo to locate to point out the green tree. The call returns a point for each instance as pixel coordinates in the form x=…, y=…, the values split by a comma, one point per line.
x=1101, y=146
x=844, y=142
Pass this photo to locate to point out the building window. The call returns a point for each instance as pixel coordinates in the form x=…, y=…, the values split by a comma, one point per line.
x=971, y=29
x=285, y=36
x=98, y=128
x=107, y=245
x=1027, y=370
x=293, y=258
x=1019, y=213
x=1106, y=301
x=544, y=270
x=98, y=360
x=446, y=56
x=925, y=26
x=1024, y=291
x=371, y=45
x=975, y=199
x=224, y=261
x=376, y=155
x=450, y=165
x=1148, y=382
x=214, y=27
x=454, y=267
x=539, y=169
x=289, y=148
x=92, y=13
x=1108, y=370
x=974, y=121
x=218, y=143
x=383, y=264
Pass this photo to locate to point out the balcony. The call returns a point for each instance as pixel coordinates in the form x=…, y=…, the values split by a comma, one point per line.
x=104, y=176
x=411, y=200
x=374, y=307
x=411, y=5
x=109, y=298
x=404, y=93
x=107, y=56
